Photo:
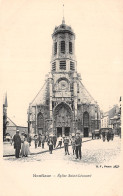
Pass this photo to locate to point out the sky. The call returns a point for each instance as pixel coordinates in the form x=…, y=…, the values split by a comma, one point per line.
x=26, y=27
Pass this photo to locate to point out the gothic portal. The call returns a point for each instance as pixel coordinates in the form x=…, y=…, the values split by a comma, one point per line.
x=63, y=104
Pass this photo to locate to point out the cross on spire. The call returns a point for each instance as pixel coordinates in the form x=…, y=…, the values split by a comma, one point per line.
x=63, y=20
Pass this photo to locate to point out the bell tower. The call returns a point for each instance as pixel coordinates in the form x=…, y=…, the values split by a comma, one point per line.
x=63, y=49
x=64, y=80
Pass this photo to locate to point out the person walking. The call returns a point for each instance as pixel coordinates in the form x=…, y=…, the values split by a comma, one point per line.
x=54, y=141
x=103, y=136
x=25, y=151
x=17, y=144
x=59, y=141
x=78, y=144
x=66, y=143
x=73, y=143
x=50, y=144
x=42, y=140
x=36, y=140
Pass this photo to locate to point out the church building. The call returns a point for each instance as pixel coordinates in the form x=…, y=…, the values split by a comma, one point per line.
x=63, y=105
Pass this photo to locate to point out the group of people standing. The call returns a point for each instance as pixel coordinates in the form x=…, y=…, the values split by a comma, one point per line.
x=22, y=144
x=107, y=135
x=75, y=141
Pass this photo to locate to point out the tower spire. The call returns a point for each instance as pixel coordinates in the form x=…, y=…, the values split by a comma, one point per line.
x=63, y=20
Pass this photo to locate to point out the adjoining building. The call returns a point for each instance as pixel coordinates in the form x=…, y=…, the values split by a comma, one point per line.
x=11, y=128
x=63, y=105
x=112, y=119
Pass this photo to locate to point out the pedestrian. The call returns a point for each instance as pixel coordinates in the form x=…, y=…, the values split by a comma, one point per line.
x=103, y=136
x=25, y=151
x=22, y=137
x=108, y=136
x=17, y=144
x=50, y=144
x=73, y=143
x=36, y=140
x=66, y=143
x=29, y=139
x=43, y=140
x=39, y=140
x=78, y=144
x=54, y=141
x=11, y=140
x=59, y=141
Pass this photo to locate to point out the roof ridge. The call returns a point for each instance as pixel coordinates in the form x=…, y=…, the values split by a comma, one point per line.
x=11, y=121
x=87, y=91
x=39, y=92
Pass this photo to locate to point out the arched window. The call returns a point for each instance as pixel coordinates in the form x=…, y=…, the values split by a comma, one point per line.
x=63, y=47
x=70, y=47
x=86, y=119
x=40, y=120
x=55, y=48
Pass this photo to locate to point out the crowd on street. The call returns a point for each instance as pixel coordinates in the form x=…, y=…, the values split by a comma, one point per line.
x=23, y=142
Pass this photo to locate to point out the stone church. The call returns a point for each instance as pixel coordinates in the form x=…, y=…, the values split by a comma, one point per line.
x=63, y=105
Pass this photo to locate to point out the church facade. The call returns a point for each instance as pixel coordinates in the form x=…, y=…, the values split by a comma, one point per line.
x=63, y=105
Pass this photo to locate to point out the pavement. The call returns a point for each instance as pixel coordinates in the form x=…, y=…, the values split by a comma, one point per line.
x=8, y=149
x=95, y=153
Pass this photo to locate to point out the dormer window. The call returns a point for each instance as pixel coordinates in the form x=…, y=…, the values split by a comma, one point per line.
x=70, y=48
x=63, y=47
x=55, y=48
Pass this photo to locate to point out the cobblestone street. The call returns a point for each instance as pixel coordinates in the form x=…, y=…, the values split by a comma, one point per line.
x=100, y=160
x=93, y=152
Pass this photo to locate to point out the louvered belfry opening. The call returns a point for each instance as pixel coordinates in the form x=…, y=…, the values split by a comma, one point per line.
x=63, y=65
x=54, y=66
x=72, y=66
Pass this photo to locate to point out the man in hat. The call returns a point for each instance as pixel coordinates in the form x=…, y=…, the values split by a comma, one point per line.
x=17, y=144
x=78, y=144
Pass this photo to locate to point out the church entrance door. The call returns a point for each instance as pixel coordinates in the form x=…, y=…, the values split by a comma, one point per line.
x=67, y=131
x=62, y=119
x=86, y=132
x=59, y=131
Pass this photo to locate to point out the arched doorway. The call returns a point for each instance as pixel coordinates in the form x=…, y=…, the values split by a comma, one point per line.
x=62, y=119
x=40, y=123
x=86, y=124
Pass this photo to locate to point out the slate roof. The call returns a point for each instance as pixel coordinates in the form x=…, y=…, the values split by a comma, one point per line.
x=42, y=96
x=84, y=95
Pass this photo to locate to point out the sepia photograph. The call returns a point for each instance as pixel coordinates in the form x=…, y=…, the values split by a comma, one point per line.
x=61, y=69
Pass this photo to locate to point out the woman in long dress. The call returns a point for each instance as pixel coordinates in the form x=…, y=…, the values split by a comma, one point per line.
x=25, y=151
